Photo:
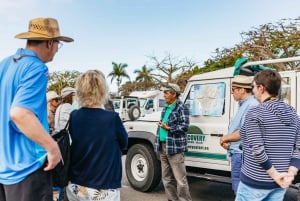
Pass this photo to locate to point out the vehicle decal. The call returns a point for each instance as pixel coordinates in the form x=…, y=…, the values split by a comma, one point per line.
x=206, y=155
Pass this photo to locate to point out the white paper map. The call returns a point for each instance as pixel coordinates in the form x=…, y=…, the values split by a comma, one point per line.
x=208, y=99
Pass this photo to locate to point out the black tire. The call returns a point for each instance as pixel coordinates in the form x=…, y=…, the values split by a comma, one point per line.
x=143, y=169
x=134, y=113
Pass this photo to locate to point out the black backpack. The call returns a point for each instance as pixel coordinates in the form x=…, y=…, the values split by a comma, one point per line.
x=61, y=171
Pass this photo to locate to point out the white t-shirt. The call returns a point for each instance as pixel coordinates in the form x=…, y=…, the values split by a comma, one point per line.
x=62, y=115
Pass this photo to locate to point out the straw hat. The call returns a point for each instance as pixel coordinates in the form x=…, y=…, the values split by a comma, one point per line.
x=51, y=95
x=67, y=91
x=242, y=81
x=43, y=29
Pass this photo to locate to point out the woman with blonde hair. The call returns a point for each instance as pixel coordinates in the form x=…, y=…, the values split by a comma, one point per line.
x=98, y=137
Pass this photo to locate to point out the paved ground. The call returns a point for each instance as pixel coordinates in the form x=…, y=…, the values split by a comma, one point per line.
x=201, y=190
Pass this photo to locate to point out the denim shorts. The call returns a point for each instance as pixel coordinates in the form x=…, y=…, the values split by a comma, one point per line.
x=236, y=165
x=247, y=193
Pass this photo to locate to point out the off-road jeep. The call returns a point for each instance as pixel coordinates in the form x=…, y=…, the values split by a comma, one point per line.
x=212, y=107
x=128, y=107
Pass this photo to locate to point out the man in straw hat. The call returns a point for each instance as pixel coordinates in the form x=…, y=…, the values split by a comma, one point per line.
x=241, y=90
x=27, y=151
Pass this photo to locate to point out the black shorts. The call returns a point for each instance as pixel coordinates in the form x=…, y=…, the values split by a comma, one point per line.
x=36, y=187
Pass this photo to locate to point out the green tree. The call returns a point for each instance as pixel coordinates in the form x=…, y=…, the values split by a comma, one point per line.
x=118, y=73
x=183, y=78
x=144, y=74
x=223, y=58
x=129, y=87
x=60, y=79
x=271, y=41
x=145, y=78
x=268, y=41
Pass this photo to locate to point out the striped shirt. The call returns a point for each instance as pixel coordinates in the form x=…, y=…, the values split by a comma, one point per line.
x=270, y=136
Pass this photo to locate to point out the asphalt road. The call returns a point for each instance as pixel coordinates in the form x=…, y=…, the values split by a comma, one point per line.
x=201, y=190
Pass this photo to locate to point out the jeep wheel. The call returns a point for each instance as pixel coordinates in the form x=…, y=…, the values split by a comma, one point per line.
x=143, y=169
x=134, y=113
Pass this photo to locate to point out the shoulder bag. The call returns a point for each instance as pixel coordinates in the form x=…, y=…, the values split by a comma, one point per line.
x=61, y=171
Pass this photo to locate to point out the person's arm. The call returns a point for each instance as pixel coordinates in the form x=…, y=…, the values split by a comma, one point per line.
x=226, y=139
x=293, y=170
x=233, y=137
x=254, y=137
x=295, y=161
x=255, y=140
x=164, y=125
x=225, y=145
x=279, y=178
x=183, y=121
x=29, y=124
x=122, y=135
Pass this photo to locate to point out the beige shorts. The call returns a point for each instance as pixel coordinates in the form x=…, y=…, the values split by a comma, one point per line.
x=76, y=192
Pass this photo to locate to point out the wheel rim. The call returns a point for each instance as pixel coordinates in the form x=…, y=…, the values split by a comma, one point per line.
x=139, y=167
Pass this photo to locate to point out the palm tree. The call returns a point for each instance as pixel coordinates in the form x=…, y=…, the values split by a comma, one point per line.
x=145, y=77
x=118, y=73
x=144, y=74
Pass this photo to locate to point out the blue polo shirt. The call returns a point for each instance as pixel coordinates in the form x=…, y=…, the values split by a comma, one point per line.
x=238, y=121
x=23, y=83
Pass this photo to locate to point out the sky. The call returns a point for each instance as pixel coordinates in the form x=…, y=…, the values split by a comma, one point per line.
x=129, y=31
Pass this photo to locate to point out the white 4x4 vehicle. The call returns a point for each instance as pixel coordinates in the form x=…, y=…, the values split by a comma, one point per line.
x=128, y=107
x=212, y=107
x=150, y=101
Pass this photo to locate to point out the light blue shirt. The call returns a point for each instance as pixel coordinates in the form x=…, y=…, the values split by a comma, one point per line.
x=238, y=121
x=75, y=105
x=23, y=83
